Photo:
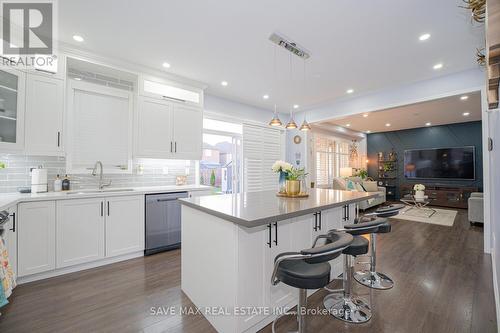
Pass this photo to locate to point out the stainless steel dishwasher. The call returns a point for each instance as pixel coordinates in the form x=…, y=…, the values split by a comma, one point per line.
x=163, y=222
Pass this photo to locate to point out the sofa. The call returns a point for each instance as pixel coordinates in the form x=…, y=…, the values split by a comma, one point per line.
x=476, y=208
x=358, y=184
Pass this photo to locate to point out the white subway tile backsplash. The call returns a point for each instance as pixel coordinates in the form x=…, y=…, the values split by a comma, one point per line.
x=17, y=172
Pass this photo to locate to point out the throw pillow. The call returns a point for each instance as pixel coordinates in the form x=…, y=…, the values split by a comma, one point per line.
x=350, y=185
x=359, y=187
x=339, y=184
x=370, y=186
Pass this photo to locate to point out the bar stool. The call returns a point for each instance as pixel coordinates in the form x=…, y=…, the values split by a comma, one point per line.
x=308, y=269
x=370, y=277
x=350, y=308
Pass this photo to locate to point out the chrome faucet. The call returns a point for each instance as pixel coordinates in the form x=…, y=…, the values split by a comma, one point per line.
x=94, y=173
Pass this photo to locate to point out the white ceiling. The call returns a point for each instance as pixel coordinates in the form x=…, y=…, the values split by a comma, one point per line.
x=365, y=46
x=442, y=111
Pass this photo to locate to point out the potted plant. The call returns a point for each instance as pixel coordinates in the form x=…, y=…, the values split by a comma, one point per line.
x=293, y=178
x=362, y=173
x=419, y=191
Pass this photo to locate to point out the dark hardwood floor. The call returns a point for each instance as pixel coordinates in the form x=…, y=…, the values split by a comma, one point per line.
x=443, y=284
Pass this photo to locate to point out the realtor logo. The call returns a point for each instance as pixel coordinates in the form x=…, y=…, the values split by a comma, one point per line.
x=28, y=28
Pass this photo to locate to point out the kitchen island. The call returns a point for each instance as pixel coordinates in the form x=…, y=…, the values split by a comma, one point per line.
x=229, y=243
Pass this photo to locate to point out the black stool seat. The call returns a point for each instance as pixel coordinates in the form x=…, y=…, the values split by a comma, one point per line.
x=384, y=228
x=300, y=274
x=364, y=228
x=358, y=247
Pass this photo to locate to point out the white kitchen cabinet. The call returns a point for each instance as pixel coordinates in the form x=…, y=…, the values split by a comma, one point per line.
x=80, y=231
x=154, y=129
x=44, y=115
x=36, y=237
x=12, y=109
x=124, y=225
x=100, y=128
x=187, y=132
x=168, y=130
x=10, y=237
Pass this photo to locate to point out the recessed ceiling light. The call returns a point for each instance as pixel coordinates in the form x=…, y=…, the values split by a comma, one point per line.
x=368, y=131
x=295, y=106
x=428, y=124
x=349, y=91
x=424, y=37
x=365, y=115
x=388, y=125
x=466, y=114
x=78, y=78
x=224, y=83
x=265, y=97
x=464, y=97
x=438, y=66
x=78, y=38
x=166, y=65
x=347, y=125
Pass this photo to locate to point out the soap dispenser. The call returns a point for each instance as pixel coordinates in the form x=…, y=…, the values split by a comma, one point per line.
x=65, y=183
x=57, y=184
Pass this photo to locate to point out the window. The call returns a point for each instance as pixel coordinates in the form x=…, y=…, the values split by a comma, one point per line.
x=331, y=156
x=220, y=163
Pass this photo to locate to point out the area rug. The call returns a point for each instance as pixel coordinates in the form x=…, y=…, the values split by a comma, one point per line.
x=441, y=217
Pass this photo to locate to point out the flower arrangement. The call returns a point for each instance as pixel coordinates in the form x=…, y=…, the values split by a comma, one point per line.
x=419, y=187
x=282, y=166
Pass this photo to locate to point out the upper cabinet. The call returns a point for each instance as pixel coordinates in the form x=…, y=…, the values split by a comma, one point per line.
x=12, y=102
x=44, y=115
x=169, y=120
x=168, y=130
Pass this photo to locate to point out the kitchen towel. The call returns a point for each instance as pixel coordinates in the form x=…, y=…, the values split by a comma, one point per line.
x=7, y=277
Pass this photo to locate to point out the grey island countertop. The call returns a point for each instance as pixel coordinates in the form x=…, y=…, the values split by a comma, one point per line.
x=253, y=209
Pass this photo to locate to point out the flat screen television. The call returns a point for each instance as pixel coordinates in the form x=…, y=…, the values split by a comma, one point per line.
x=440, y=163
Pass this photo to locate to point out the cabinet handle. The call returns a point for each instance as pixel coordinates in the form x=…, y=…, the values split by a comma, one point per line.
x=348, y=213
x=171, y=149
x=276, y=233
x=58, y=139
x=102, y=209
x=175, y=146
x=343, y=213
x=13, y=229
x=315, y=222
x=320, y=222
x=108, y=207
x=269, y=228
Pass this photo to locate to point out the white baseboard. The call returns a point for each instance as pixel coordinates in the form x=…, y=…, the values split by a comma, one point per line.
x=76, y=268
x=495, y=282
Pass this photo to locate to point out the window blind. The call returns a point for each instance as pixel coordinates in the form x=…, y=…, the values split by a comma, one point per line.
x=262, y=146
x=331, y=155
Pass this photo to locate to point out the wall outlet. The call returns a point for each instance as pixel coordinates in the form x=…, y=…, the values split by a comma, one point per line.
x=165, y=170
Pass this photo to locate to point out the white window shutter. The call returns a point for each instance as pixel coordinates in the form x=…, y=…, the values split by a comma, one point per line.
x=261, y=148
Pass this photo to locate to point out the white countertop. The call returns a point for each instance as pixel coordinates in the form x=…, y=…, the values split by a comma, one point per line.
x=259, y=208
x=9, y=199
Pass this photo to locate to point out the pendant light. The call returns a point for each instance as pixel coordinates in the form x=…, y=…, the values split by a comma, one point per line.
x=291, y=123
x=305, y=125
x=276, y=120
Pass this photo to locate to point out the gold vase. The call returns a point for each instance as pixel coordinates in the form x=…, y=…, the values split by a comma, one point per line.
x=292, y=187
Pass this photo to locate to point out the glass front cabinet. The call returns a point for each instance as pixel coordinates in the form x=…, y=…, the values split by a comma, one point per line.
x=12, y=90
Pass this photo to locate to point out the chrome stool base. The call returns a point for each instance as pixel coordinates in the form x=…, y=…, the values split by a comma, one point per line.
x=352, y=310
x=374, y=280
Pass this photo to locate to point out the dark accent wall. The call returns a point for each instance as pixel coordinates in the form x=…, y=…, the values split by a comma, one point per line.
x=445, y=136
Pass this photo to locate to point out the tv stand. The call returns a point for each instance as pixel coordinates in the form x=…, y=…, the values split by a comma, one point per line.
x=444, y=195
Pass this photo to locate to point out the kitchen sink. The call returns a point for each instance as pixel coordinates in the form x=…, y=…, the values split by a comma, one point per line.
x=101, y=191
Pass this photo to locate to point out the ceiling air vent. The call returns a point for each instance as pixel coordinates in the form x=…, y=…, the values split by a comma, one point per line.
x=289, y=45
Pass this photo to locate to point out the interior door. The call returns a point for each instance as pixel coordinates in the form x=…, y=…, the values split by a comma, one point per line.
x=188, y=132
